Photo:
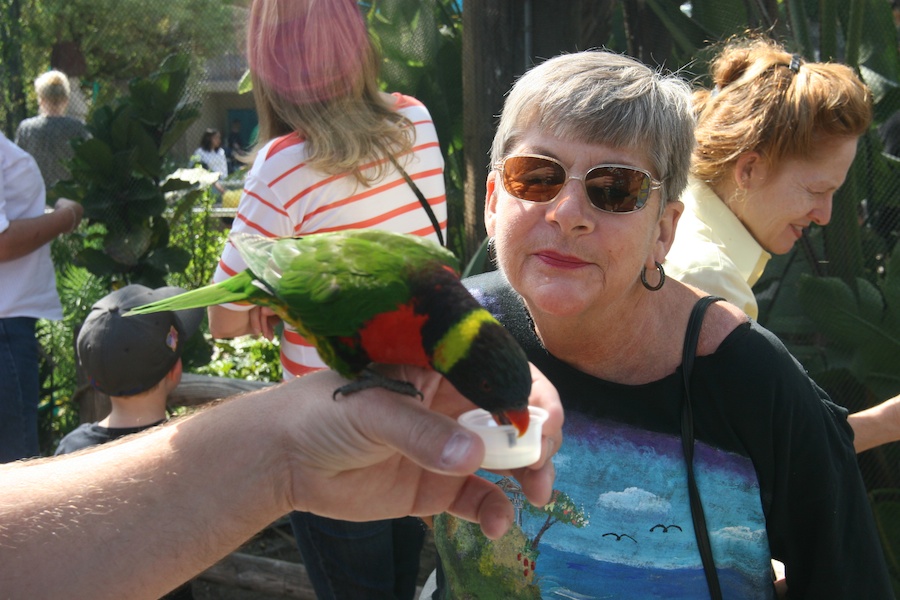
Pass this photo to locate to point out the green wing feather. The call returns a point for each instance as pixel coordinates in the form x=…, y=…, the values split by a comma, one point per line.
x=333, y=283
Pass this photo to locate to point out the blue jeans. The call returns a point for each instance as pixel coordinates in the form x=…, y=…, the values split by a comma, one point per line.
x=360, y=561
x=19, y=389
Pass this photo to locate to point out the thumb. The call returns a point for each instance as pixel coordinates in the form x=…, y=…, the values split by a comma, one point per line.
x=432, y=440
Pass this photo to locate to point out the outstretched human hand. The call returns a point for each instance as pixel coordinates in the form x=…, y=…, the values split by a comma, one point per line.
x=375, y=454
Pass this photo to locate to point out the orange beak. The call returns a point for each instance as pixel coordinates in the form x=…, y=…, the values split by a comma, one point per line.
x=518, y=418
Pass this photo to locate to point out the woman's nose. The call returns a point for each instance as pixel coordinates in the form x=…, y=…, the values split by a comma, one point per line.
x=571, y=208
x=821, y=212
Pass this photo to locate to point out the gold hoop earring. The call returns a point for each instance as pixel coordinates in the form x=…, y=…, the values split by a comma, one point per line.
x=662, y=277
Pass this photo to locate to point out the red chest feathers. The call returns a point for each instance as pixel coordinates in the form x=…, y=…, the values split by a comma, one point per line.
x=395, y=337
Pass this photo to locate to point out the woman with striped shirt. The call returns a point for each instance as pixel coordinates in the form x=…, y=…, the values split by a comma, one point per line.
x=331, y=155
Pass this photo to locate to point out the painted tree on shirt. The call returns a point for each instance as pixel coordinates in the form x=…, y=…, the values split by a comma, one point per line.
x=560, y=509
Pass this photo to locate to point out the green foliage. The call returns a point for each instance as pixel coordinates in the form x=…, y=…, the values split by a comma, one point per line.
x=255, y=359
x=480, y=261
x=12, y=92
x=864, y=322
x=117, y=40
x=78, y=290
x=118, y=176
x=421, y=45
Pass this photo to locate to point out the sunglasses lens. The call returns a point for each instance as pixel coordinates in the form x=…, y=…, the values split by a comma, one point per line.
x=617, y=189
x=609, y=188
x=533, y=178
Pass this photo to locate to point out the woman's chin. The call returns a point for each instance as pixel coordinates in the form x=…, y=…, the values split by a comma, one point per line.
x=557, y=300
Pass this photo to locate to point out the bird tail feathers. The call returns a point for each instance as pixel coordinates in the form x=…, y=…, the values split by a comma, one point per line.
x=235, y=289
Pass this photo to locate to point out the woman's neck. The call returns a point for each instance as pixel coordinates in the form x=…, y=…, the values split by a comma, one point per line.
x=641, y=346
x=47, y=110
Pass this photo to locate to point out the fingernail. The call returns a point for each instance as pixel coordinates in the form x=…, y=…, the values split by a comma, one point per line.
x=456, y=449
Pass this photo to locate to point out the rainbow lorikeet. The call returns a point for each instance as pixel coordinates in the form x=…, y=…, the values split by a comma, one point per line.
x=368, y=296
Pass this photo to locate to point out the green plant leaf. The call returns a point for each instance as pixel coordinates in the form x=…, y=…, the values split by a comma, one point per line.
x=890, y=285
x=836, y=310
x=246, y=83
x=479, y=263
x=127, y=247
x=183, y=118
x=169, y=260
x=93, y=160
x=98, y=262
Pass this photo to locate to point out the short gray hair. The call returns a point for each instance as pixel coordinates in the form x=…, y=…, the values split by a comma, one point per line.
x=599, y=97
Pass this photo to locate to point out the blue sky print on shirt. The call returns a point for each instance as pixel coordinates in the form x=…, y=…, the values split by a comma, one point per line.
x=628, y=530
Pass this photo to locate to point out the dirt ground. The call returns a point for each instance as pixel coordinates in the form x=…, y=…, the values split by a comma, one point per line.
x=277, y=542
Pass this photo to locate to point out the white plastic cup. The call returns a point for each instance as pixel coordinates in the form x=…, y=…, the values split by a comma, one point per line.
x=504, y=449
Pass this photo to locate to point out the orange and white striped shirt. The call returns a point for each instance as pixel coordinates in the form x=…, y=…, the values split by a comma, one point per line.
x=284, y=197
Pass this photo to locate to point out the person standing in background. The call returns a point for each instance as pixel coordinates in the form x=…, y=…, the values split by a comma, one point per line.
x=754, y=191
x=47, y=137
x=212, y=156
x=333, y=152
x=29, y=292
x=235, y=147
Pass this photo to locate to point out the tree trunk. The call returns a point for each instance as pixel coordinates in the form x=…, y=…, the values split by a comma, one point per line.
x=501, y=40
x=491, y=38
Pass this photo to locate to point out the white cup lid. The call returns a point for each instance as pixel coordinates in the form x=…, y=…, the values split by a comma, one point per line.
x=504, y=448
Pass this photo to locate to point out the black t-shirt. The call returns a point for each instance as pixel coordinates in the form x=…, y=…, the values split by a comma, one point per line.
x=775, y=467
x=92, y=434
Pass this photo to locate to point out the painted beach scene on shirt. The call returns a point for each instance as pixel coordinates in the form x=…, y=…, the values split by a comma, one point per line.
x=618, y=525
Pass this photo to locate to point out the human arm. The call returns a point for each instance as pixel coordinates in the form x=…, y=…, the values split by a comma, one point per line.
x=877, y=425
x=226, y=323
x=255, y=216
x=24, y=236
x=160, y=507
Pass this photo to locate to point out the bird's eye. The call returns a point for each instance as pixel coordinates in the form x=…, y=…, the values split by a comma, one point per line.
x=486, y=387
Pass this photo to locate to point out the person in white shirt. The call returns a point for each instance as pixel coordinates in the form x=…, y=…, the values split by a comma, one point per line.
x=29, y=291
x=212, y=156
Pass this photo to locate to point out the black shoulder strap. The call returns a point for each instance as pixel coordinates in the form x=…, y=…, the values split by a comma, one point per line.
x=687, y=444
x=421, y=197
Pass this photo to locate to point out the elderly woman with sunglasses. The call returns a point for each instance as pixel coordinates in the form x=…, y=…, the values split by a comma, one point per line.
x=753, y=192
x=660, y=491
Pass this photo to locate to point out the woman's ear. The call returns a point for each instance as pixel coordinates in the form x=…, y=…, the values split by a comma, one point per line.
x=666, y=228
x=490, y=203
x=749, y=170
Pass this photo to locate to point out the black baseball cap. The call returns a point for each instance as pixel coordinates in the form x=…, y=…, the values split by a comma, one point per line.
x=123, y=356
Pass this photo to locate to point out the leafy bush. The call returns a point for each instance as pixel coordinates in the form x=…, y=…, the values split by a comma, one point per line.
x=119, y=176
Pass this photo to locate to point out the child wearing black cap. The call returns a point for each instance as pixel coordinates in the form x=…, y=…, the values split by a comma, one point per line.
x=136, y=360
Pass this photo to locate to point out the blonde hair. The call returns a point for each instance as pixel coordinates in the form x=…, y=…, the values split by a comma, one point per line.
x=772, y=102
x=315, y=73
x=53, y=88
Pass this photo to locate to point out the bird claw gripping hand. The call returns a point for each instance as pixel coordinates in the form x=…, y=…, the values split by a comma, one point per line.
x=369, y=379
